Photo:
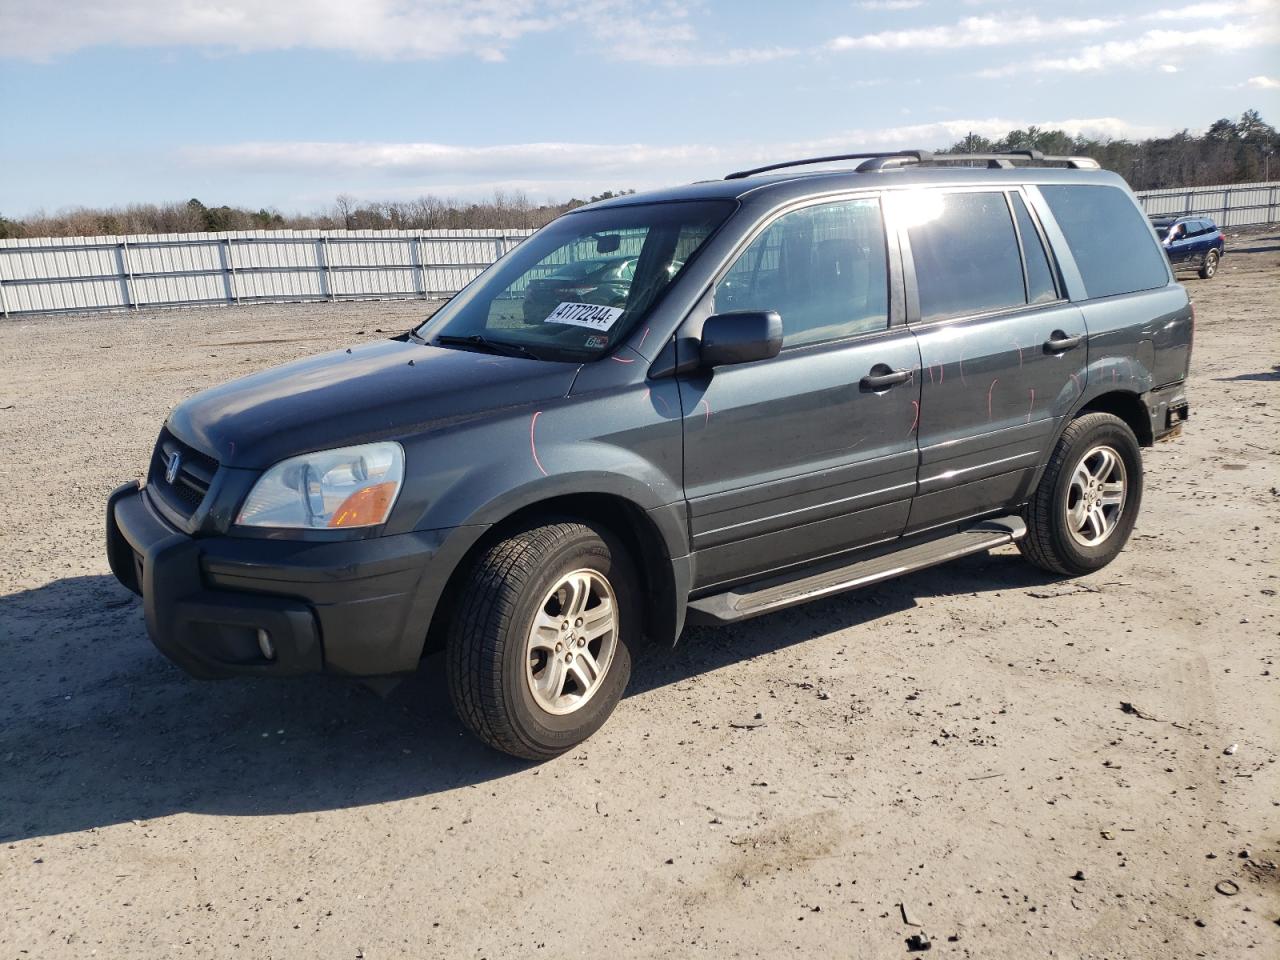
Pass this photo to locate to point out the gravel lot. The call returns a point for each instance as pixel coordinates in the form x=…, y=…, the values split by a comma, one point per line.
x=946, y=750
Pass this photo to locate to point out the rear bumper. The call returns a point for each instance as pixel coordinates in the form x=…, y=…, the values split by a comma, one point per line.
x=1168, y=408
x=354, y=607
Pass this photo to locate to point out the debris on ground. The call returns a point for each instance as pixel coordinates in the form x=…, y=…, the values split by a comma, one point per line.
x=918, y=943
x=1130, y=709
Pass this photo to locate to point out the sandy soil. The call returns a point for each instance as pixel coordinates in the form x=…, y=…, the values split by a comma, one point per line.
x=948, y=750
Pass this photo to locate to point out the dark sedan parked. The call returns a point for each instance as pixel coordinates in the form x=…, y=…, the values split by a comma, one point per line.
x=1191, y=243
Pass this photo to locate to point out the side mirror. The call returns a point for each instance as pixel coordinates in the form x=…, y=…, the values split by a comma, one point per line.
x=608, y=243
x=740, y=337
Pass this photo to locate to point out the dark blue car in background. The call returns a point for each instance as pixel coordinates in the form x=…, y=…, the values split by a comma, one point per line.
x=1191, y=243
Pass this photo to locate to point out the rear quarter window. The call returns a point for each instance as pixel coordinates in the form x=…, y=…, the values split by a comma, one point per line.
x=1109, y=238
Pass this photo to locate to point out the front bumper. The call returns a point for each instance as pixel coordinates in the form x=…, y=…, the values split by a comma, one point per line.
x=354, y=607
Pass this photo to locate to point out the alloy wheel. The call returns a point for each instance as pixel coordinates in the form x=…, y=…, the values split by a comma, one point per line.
x=1096, y=496
x=572, y=642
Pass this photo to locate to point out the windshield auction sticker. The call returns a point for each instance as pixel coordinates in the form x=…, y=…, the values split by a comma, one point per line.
x=591, y=315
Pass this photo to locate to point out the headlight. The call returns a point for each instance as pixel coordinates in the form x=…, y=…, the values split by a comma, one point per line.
x=348, y=487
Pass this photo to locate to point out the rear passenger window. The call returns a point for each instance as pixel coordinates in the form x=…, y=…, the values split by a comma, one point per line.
x=823, y=268
x=1040, y=285
x=1109, y=239
x=966, y=257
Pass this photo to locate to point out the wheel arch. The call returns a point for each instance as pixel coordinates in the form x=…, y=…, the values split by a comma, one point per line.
x=1126, y=405
x=664, y=577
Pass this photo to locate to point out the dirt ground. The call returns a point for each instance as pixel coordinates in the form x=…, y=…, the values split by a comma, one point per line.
x=947, y=750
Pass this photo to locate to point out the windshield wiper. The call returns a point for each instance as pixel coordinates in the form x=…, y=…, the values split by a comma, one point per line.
x=501, y=347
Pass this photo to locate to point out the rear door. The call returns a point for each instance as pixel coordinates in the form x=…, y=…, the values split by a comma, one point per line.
x=1003, y=352
x=1205, y=240
x=793, y=458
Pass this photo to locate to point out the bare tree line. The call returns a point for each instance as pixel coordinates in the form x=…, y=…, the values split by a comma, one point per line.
x=1230, y=151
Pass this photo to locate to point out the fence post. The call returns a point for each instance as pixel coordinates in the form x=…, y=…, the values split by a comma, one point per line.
x=4, y=301
x=419, y=269
x=322, y=264
x=126, y=273
x=228, y=270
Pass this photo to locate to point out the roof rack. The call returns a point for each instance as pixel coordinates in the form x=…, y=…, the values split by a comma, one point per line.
x=890, y=159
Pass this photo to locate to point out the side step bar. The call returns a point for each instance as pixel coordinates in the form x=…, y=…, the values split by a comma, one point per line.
x=777, y=593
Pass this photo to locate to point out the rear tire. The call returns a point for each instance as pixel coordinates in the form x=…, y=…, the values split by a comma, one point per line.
x=1085, y=506
x=1210, y=266
x=539, y=651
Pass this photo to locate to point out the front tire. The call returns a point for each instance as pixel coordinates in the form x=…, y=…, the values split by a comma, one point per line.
x=539, y=651
x=1085, y=506
x=1210, y=265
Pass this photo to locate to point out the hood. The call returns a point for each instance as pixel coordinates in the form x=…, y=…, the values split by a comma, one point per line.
x=383, y=390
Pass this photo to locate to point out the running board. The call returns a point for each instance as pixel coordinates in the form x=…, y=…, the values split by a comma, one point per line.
x=777, y=593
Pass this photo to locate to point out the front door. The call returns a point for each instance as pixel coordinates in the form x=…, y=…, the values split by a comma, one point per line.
x=1003, y=352
x=794, y=458
x=1182, y=245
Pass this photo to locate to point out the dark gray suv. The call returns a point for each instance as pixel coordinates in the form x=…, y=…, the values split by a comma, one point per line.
x=807, y=382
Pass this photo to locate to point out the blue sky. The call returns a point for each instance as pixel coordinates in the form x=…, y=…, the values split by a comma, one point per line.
x=289, y=103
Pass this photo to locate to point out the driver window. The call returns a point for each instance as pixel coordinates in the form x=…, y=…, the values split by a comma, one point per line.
x=823, y=268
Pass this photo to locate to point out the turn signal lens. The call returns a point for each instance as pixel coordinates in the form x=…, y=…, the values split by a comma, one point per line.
x=366, y=507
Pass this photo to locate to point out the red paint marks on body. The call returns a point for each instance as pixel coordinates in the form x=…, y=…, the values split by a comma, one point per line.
x=989, y=389
x=533, y=444
x=1075, y=380
x=915, y=421
x=1032, y=404
x=658, y=400
x=942, y=373
x=620, y=359
x=642, y=336
x=1017, y=347
x=703, y=403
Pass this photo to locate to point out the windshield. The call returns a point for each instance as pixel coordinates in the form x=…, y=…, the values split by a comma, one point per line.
x=577, y=287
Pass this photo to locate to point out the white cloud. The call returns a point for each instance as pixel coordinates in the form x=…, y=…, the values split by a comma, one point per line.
x=973, y=32
x=377, y=28
x=1168, y=68
x=1211, y=12
x=650, y=31
x=559, y=169
x=1263, y=83
x=1159, y=44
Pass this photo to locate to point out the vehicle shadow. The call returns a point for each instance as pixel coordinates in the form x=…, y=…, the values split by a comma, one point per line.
x=97, y=728
x=1264, y=376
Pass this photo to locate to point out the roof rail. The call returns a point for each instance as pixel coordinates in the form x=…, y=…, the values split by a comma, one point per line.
x=915, y=155
x=1005, y=159
x=890, y=159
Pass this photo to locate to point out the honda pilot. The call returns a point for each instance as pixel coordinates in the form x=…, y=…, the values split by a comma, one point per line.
x=799, y=380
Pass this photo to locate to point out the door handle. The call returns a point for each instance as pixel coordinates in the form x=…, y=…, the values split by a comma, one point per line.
x=883, y=381
x=1059, y=342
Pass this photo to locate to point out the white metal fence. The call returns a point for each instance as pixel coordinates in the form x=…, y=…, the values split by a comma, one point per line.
x=183, y=269
x=1230, y=205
